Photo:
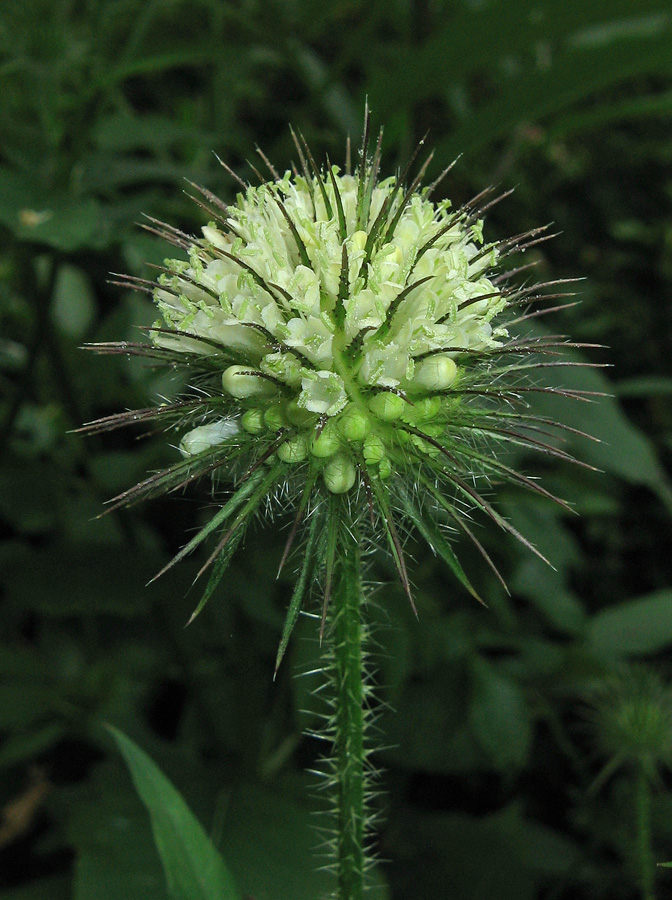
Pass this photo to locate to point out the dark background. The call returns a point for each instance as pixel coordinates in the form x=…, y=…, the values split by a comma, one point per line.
x=498, y=721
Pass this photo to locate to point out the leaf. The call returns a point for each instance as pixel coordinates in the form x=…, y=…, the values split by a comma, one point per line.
x=73, y=305
x=431, y=533
x=56, y=888
x=302, y=583
x=393, y=539
x=621, y=449
x=229, y=507
x=219, y=567
x=499, y=717
x=500, y=855
x=65, y=579
x=549, y=592
x=271, y=841
x=107, y=828
x=634, y=628
x=123, y=132
x=535, y=66
x=63, y=221
x=193, y=867
x=606, y=113
x=23, y=747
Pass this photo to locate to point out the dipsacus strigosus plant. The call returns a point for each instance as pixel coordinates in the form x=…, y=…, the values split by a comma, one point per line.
x=358, y=358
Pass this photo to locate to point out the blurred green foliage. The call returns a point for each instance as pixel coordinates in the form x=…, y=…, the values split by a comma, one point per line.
x=105, y=107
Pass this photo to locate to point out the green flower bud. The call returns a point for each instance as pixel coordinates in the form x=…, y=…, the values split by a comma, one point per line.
x=297, y=415
x=253, y=421
x=427, y=408
x=385, y=467
x=339, y=474
x=293, y=450
x=243, y=382
x=326, y=443
x=374, y=448
x=435, y=373
x=387, y=406
x=353, y=424
x=274, y=417
x=206, y=436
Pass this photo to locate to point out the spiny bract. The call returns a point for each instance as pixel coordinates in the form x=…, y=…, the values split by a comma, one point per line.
x=344, y=336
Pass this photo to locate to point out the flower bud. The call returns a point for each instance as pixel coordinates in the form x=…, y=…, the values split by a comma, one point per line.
x=274, y=417
x=387, y=406
x=283, y=366
x=253, y=421
x=293, y=450
x=297, y=415
x=326, y=443
x=339, y=474
x=353, y=423
x=374, y=448
x=435, y=373
x=206, y=436
x=243, y=382
x=427, y=408
x=385, y=467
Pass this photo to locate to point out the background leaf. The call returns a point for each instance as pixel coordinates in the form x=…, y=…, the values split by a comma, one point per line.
x=194, y=868
x=635, y=628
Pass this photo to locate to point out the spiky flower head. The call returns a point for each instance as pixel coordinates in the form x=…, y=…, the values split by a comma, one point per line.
x=630, y=714
x=346, y=335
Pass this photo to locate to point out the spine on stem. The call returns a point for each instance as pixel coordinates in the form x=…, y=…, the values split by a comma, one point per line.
x=350, y=774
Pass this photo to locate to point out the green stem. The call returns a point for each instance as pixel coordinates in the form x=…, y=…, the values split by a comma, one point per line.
x=646, y=861
x=347, y=633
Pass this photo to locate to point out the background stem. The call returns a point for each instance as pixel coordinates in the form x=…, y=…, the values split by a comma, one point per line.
x=646, y=861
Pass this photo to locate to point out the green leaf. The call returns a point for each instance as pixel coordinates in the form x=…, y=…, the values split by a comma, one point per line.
x=535, y=66
x=193, y=867
x=160, y=62
x=219, y=567
x=272, y=843
x=120, y=133
x=502, y=855
x=21, y=747
x=73, y=305
x=302, y=583
x=222, y=515
x=65, y=579
x=621, y=449
x=499, y=717
x=106, y=825
x=634, y=628
x=57, y=888
x=63, y=221
x=549, y=592
x=645, y=386
x=606, y=113
x=440, y=546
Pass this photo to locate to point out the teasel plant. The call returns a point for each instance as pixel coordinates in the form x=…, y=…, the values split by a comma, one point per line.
x=356, y=357
x=628, y=721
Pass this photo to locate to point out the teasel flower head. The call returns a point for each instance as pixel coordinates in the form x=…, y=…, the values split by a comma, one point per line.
x=629, y=715
x=346, y=337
